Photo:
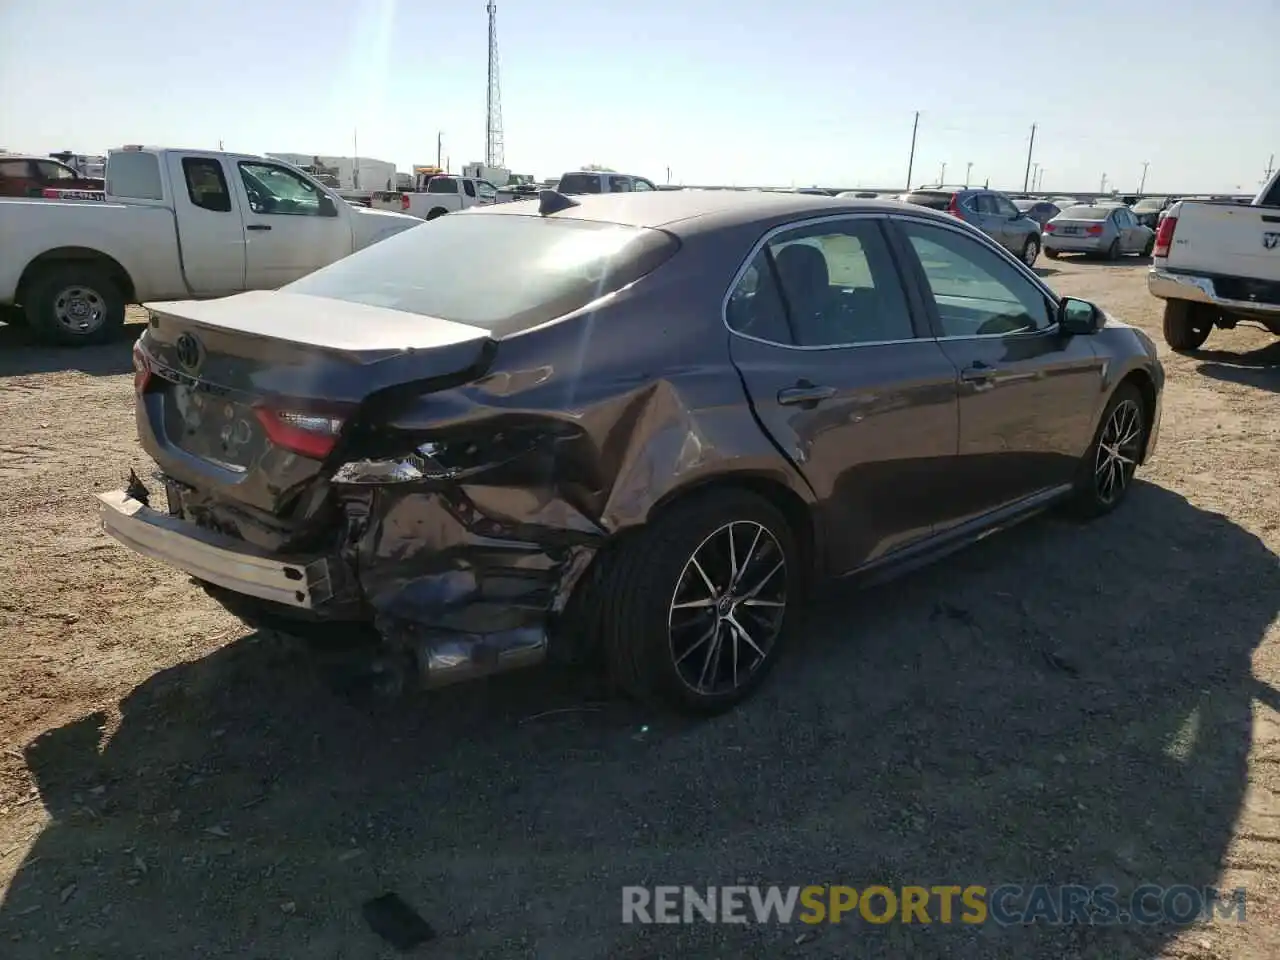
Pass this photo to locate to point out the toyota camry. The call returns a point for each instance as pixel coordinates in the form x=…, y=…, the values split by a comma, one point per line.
x=642, y=439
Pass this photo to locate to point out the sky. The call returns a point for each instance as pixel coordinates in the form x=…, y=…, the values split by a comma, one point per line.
x=695, y=92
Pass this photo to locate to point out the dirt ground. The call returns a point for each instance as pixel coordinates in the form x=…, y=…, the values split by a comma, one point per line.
x=1061, y=704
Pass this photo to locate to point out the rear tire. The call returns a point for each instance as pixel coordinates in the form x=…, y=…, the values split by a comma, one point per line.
x=1151, y=245
x=1113, y=252
x=672, y=609
x=1186, y=325
x=1106, y=471
x=74, y=304
x=436, y=213
x=1030, y=251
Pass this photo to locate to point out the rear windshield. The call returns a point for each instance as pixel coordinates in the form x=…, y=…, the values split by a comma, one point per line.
x=550, y=267
x=1272, y=197
x=1086, y=213
x=930, y=199
x=1142, y=206
x=442, y=185
x=580, y=183
x=136, y=175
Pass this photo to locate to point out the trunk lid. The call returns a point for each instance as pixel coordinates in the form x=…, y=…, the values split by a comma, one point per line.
x=247, y=397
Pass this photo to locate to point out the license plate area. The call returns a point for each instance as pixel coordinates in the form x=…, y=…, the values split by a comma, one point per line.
x=1069, y=231
x=212, y=426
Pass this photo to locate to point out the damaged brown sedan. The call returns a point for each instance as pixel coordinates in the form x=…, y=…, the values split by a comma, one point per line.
x=637, y=427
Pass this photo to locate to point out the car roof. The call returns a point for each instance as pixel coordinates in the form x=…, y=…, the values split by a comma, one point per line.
x=692, y=211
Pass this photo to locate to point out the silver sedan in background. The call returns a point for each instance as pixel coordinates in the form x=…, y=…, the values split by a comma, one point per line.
x=1110, y=230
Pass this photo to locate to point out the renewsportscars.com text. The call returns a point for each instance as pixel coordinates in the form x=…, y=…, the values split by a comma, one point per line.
x=1006, y=905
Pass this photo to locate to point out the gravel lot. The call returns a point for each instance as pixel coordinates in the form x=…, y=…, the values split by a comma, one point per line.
x=1060, y=703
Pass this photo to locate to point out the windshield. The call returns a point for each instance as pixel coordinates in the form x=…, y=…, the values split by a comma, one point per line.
x=1148, y=206
x=550, y=267
x=1085, y=213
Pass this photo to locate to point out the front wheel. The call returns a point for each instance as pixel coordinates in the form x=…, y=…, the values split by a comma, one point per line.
x=1106, y=471
x=1186, y=325
x=697, y=604
x=1030, y=251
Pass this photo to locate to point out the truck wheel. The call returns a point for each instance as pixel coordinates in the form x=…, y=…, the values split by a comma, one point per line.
x=74, y=304
x=437, y=212
x=1186, y=325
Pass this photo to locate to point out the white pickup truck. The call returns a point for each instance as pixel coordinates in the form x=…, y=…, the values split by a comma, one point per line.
x=173, y=225
x=437, y=194
x=1216, y=263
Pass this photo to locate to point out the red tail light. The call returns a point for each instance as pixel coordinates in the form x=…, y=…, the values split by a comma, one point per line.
x=404, y=201
x=1049, y=228
x=311, y=435
x=953, y=207
x=1094, y=231
x=141, y=368
x=1164, y=236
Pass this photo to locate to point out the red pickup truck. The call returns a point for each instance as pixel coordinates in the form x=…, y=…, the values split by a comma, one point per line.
x=32, y=176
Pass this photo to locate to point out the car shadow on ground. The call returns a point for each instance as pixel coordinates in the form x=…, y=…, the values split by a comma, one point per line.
x=22, y=355
x=1065, y=704
x=1255, y=368
x=1045, y=271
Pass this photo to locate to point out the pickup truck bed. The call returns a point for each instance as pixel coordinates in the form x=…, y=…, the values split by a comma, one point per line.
x=1216, y=264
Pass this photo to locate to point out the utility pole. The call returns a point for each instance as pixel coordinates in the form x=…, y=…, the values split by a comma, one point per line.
x=1142, y=185
x=942, y=177
x=1102, y=187
x=668, y=174
x=1035, y=173
x=355, y=166
x=1271, y=166
x=1031, y=146
x=439, y=148
x=967, y=167
x=1039, y=179
x=911, y=159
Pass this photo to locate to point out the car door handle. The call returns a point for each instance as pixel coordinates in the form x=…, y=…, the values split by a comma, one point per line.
x=258, y=226
x=805, y=394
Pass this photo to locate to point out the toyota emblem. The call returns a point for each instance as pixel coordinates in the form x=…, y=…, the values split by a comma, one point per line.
x=189, y=352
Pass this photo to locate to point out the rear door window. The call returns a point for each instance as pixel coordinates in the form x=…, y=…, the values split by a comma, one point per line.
x=134, y=174
x=580, y=183
x=206, y=184
x=620, y=185
x=468, y=188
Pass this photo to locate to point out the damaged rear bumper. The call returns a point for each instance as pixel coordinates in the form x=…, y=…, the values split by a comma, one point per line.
x=214, y=558
x=456, y=603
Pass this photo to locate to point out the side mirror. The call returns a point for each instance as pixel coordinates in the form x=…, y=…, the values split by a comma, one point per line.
x=327, y=207
x=1078, y=317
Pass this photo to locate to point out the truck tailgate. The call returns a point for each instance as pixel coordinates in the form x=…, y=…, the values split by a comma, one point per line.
x=1228, y=240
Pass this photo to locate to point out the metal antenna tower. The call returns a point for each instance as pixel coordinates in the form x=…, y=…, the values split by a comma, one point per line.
x=493, y=154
